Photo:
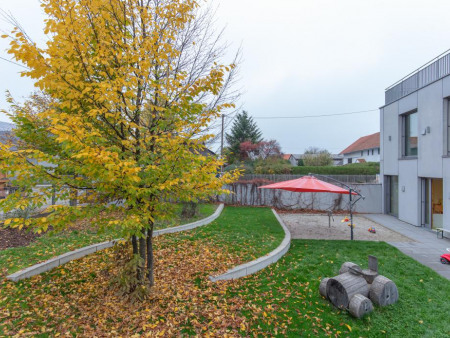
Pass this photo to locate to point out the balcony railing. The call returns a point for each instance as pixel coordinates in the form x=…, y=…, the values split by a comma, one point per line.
x=432, y=71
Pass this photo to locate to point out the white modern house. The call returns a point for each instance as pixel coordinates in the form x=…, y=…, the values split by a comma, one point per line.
x=364, y=149
x=415, y=146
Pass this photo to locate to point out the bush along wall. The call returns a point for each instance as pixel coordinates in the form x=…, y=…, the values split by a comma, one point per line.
x=350, y=169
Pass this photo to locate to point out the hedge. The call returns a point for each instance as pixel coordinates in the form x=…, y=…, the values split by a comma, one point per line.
x=350, y=169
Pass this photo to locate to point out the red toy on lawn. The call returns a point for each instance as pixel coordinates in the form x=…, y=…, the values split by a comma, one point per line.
x=445, y=258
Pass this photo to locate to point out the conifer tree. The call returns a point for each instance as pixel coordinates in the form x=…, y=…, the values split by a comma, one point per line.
x=244, y=129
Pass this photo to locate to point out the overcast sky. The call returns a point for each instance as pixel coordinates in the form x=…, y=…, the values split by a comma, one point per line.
x=304, y=58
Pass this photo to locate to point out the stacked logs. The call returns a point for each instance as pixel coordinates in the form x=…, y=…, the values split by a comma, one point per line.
x=356, y=290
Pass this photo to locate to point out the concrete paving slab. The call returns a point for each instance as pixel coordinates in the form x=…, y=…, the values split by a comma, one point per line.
x=424, y=247
x=445, y=274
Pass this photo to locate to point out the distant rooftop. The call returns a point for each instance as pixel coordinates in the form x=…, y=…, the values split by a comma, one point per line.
x=430, y=72
x=302, y=156
x=363, y=143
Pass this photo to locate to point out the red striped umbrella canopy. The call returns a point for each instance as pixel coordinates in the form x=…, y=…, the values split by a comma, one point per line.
x=308, y=184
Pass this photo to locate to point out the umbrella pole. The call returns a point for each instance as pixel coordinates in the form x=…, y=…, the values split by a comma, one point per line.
x=351, y=215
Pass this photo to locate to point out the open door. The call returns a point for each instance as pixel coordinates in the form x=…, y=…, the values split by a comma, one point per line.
x=432, y=203
x=437, y=206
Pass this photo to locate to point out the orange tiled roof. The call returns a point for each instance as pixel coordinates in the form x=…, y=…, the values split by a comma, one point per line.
x=363, y=143
x=286, y=156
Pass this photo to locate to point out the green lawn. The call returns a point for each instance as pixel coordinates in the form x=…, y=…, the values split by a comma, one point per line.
x=54, y=244
x=281, y=300
x=291, y=286
x=249, y=232
x=204, y=210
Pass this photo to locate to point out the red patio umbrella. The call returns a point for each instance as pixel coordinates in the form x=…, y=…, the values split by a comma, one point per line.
x=312, y=184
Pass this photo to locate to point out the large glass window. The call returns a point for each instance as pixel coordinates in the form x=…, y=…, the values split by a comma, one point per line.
x=410, y=134
x=392, y=195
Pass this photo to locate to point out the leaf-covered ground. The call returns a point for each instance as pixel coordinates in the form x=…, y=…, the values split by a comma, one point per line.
x=79, y=299
x=79, y=235
x=282, y=300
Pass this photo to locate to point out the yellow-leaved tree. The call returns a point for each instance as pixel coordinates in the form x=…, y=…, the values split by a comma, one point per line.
x=128, y=89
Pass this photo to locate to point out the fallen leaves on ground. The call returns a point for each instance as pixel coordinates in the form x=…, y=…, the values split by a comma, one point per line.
x=78, y=297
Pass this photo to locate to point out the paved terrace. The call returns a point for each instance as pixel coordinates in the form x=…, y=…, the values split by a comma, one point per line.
x=426, y=249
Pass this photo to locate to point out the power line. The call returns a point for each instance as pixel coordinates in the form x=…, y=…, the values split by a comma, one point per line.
x=312, y=116
x=14, y=63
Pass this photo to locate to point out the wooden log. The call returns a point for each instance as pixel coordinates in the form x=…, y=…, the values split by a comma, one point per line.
x=383, y=291
x=369, y=275
x=346, y=267
x=323, y=287
x=342, y=288
x=373, y=263
x=360, y=306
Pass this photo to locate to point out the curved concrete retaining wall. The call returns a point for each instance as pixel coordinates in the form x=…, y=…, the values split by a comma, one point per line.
x=72, y=255
x=191, y=226
x=260, y=263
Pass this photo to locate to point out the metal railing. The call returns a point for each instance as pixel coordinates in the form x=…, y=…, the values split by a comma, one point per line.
x=432, y=71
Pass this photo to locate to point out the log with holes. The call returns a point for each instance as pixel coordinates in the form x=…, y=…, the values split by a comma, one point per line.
x=356, y=290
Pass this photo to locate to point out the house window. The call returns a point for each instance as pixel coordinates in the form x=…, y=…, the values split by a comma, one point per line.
x=410, y=134
x=372, y=151
x=362, y=153
x=378, y=151
x=350, y=160
x=368, y=152
x=391, y=195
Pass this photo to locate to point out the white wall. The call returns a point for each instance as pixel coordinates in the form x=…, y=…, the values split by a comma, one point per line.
x=389, y=134
x=432, y=160
x=409, y=192
x=368, y=157
x=430, y=109
x=293, y=161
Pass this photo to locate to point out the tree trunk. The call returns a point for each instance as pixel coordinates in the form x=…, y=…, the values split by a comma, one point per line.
x=142, y=255
x=189, y=210
x=150, y=275
x=135, y=245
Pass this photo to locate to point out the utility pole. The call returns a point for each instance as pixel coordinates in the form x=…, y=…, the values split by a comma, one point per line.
x=221, y=141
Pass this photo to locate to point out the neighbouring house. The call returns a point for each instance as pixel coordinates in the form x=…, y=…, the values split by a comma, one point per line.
x=365, y=149
x=337, y=159
x=415, y=146
x=291, y=158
